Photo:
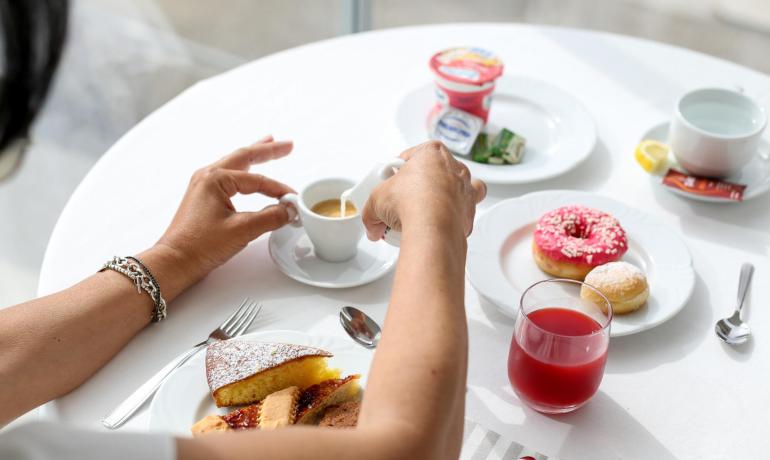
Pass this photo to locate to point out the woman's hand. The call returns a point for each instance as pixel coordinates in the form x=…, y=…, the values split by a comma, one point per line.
x=207, y=230
x=95, y=318
x=431, y=189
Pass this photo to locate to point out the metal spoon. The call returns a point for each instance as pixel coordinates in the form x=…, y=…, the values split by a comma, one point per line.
x=733, y=330
x=360, y=327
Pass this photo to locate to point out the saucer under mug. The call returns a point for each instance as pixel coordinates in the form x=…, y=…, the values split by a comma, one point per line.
x=755, y=174
x=294, y=254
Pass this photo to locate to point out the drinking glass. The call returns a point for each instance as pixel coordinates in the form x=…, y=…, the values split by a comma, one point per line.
x=559, y=346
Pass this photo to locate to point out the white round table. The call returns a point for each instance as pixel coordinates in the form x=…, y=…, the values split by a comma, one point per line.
x=674, y=391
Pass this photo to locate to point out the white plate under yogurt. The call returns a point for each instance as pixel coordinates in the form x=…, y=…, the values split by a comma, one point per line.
x=560, y=132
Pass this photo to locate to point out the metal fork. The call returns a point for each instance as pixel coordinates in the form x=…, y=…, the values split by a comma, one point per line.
x=235, y=325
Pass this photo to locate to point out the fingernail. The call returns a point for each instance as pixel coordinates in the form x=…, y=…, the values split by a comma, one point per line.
x=267, y=138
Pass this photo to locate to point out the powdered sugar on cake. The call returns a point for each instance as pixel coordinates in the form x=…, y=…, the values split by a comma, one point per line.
x=234, y=360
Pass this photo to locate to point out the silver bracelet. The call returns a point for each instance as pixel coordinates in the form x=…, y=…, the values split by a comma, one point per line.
x=140, y=275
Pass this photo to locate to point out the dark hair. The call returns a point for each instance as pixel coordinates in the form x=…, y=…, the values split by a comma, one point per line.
x=33, y=33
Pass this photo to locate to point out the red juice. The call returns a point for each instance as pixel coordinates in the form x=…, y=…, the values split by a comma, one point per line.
x=557, y=358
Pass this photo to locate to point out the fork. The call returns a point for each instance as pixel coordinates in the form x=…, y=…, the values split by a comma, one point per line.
x=235, y=325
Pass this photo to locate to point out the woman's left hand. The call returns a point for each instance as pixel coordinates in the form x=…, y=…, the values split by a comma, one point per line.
x=207, y=230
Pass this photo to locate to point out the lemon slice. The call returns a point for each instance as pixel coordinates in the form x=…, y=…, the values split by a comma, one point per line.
x=651, y=155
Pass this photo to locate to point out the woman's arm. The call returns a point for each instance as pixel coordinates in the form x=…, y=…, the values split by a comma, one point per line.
x=51, y=345
x=414, y=400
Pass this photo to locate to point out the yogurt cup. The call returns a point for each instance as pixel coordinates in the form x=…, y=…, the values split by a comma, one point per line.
x=465, y=79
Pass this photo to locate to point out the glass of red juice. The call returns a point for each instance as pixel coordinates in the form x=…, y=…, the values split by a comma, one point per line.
x=559, y=346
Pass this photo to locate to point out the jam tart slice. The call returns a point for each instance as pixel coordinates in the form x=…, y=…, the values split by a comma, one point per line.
x=279, y=409
x=240, y=419
x=315, y=399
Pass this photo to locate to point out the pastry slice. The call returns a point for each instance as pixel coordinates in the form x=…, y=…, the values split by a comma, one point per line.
x=315, y=399
x=243, y=372
x=343, y=416
x=210, y=424
x=239, y=419
x=244, y=418
x=279, y=409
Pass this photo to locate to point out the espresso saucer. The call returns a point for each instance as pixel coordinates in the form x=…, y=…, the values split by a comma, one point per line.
x=291, y=250
x=755, y=175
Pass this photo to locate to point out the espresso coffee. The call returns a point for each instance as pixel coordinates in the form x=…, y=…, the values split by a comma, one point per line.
x=333, y=208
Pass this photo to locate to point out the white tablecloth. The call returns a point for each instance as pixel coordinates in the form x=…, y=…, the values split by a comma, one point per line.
x=674, y=391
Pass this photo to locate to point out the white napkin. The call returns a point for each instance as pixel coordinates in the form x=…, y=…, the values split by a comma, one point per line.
x=480, y=443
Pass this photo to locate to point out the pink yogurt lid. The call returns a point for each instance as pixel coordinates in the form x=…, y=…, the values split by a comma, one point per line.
x=467, y=65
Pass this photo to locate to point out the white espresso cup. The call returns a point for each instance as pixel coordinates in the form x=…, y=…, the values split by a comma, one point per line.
x=335, y=239
x=715, y=132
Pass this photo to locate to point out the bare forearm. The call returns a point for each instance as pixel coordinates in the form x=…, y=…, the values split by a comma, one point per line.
x=53, y=344
x=418, y=374
x=302, y=442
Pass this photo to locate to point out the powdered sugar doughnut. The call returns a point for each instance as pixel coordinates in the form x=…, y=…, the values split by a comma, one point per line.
x=570, y=241
x=624, y=285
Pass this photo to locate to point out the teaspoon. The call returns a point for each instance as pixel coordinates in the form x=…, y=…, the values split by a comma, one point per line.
x=360, y=327
x=733, y=330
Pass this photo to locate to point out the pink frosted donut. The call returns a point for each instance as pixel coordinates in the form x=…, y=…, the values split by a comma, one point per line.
x=572, y=240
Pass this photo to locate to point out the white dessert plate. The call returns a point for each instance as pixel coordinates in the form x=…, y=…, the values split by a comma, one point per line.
x=184, y=397
x=559, y=130
x=292, y=251
x=755, y=175
x=500, y=265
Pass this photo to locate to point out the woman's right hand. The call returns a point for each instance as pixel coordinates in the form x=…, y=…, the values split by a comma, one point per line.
x=207, y=230
x=431, y=189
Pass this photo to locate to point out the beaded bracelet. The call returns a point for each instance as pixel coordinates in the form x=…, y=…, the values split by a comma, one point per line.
x=141, y=276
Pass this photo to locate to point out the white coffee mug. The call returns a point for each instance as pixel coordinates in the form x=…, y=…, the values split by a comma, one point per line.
x=335, y=239
x=715, y=132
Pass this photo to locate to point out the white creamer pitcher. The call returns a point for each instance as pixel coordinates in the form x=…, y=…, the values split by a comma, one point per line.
x=359, y=193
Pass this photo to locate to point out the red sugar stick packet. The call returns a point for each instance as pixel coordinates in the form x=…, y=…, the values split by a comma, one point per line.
x=704, y=186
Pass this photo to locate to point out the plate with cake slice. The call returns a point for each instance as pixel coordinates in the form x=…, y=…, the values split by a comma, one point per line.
x=264, y=380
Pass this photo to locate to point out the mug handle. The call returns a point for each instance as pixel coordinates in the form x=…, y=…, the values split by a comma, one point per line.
x=291, y=199
x=392, y=237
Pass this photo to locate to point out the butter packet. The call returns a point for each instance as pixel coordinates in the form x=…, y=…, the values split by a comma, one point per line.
x=653, y=157
x=704, y=186
x=456, y=129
